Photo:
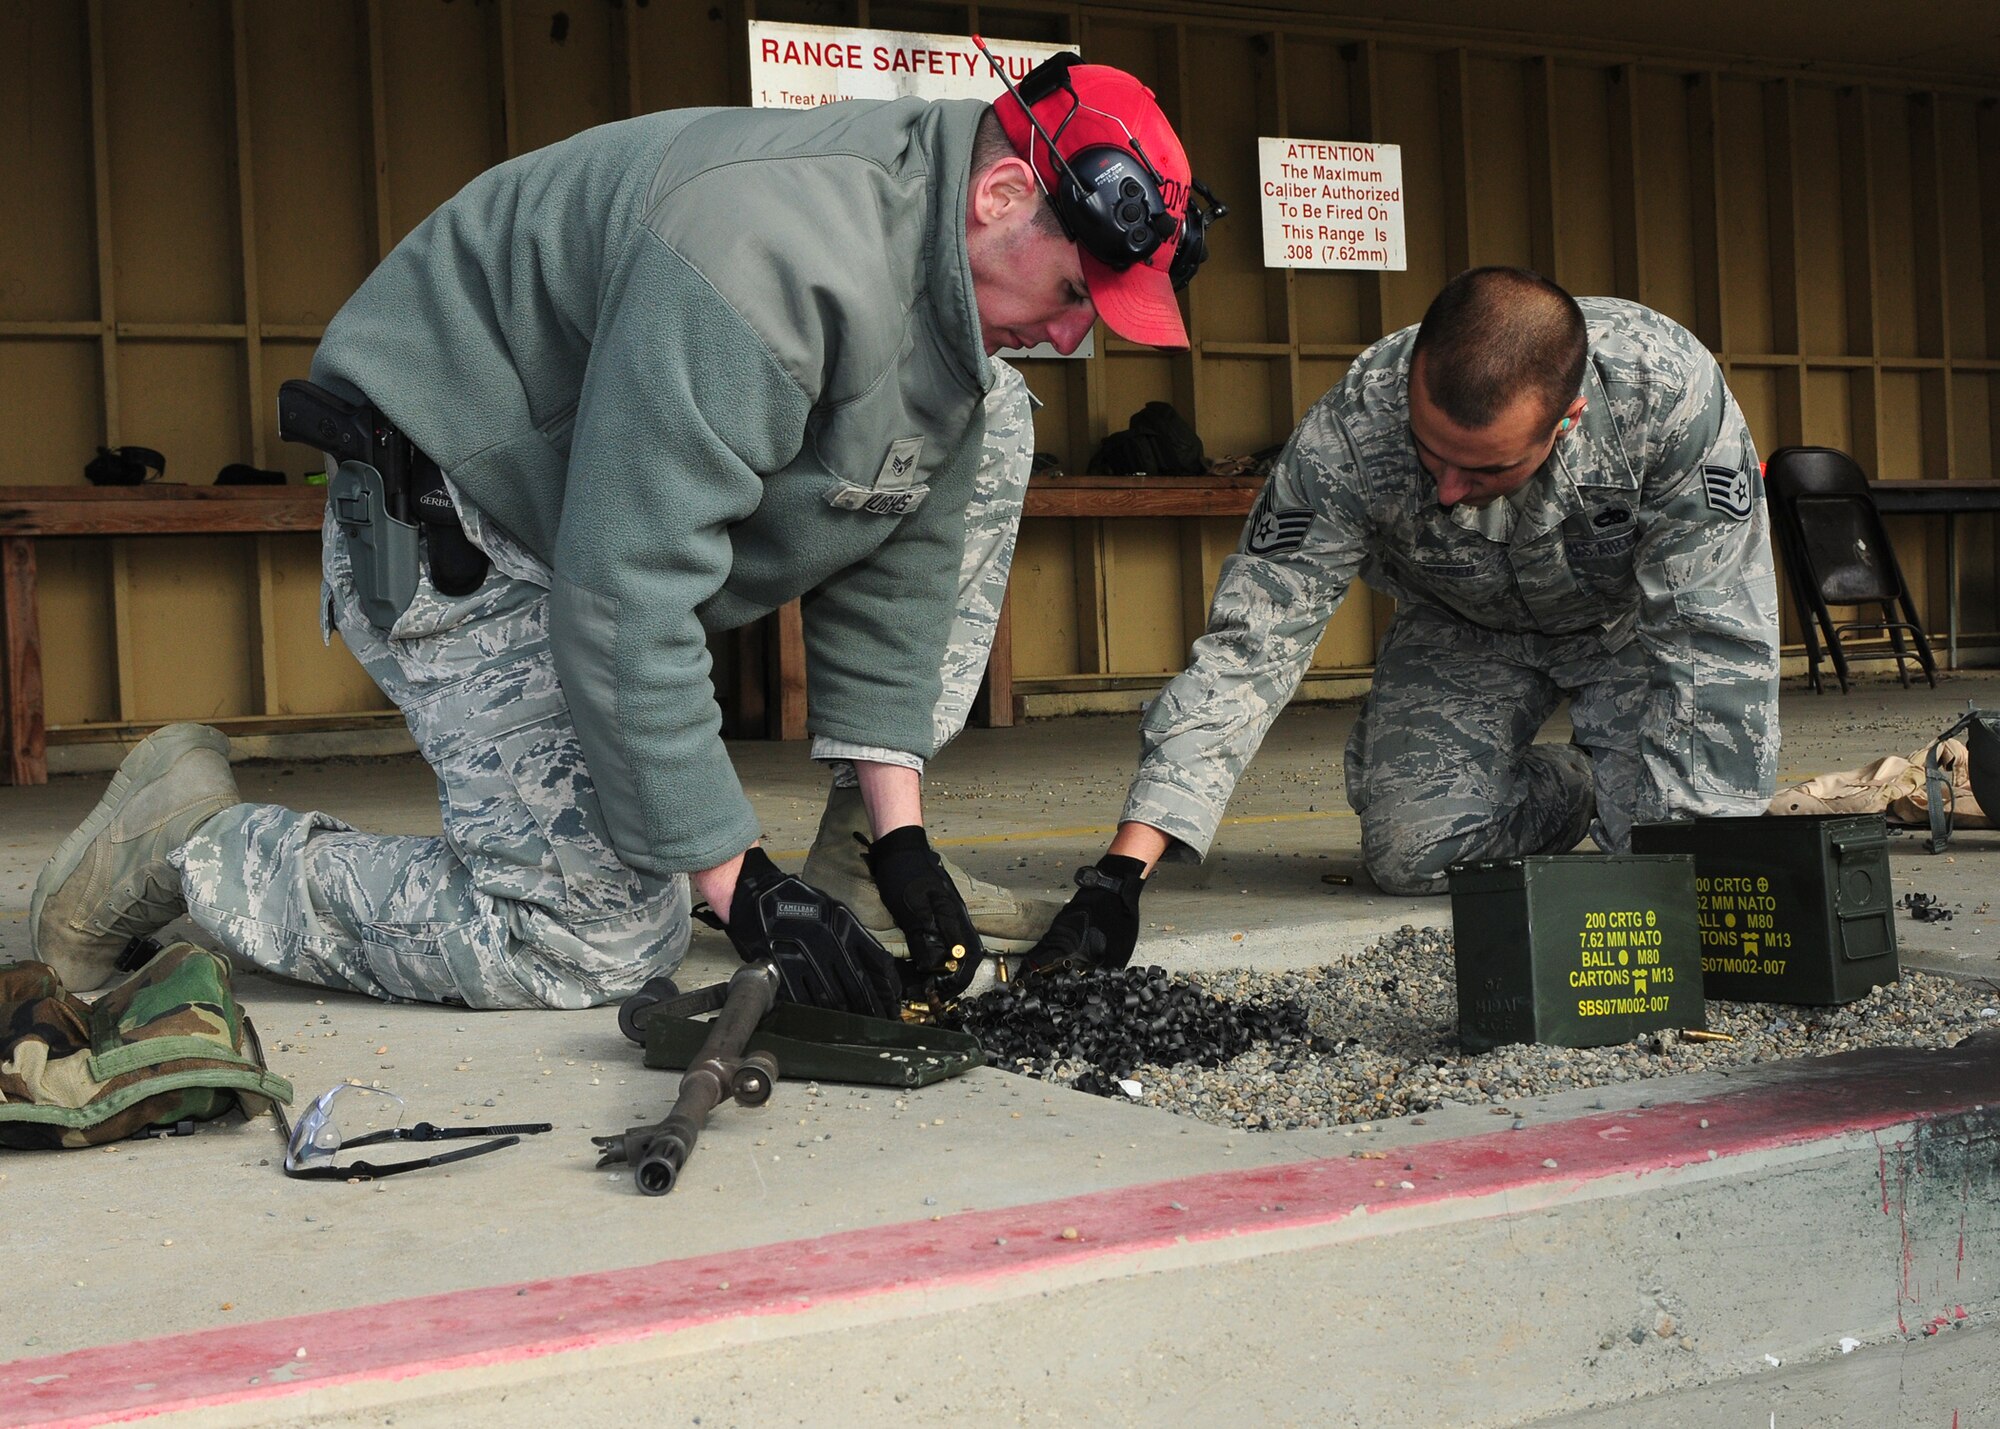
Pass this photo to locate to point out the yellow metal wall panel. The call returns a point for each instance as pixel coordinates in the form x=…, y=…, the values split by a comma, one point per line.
x=1829, y=235
x=1350, y=639
x=1744, y=208
x=565, y=79
x=1245, y=301
x=1317, y=377
x=1894, y=236
x=1828, y=414
x=1756, y=392
x=1142, y=587
x=173, y=214
x=1822, y=255
x=685, y=55
x=79, y=648
x=58, y=382
x=1042, y=600
x=1131, y=380
x=445, y=124
x=1406, y=88
x=311, y=676
x=1051, y=382
x=1585, y=262
x=1665, y=182
x=47, y=271
x=187, y=400
x=191, y=596
x=1498, y=170
x=311, y=153
x=1972, y=424
x=1243, y=402
x=1966, y=282
x=1144, y=50
x=1902, y=442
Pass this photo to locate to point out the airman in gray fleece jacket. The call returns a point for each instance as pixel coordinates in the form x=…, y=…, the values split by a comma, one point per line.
x=676, y=372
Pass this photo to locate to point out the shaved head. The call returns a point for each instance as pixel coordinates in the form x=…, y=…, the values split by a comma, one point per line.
x=1496, y=335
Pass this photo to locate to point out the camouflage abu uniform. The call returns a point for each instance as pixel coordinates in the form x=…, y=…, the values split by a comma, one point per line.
x=1632, y=575
x=522, y=902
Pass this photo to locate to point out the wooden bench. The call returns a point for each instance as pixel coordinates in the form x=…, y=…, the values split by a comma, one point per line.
x=1949, y=499
x=31, y=514
x=36, y=513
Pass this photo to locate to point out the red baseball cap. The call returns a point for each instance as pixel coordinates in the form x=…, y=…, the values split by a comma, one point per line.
x=1111, y=107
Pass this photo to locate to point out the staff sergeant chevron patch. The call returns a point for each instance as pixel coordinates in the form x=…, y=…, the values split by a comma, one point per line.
x=1728, y=490
x=1275, y=532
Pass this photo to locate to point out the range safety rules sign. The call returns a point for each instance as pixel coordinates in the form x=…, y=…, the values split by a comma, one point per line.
x=802, y=66
x=1331, y=205
x=799, y=66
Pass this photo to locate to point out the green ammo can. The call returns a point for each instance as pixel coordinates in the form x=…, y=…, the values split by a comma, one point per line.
x=1792, y=909
x=1577, y=950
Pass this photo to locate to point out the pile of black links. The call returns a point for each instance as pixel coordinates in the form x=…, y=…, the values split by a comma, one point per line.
x=1924, y=907
x=1117, y=1021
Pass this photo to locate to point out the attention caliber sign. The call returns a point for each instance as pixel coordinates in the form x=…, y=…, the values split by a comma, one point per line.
x=1332, y=205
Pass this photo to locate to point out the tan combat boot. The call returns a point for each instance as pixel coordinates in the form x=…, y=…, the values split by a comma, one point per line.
x=1007, y=922
x=110, y=881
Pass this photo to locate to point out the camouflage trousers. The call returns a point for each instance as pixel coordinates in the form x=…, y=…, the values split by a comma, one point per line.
x=522, y=902
x=1443, y=767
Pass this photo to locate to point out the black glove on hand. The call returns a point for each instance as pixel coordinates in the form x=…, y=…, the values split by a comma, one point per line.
x=825, y=958
x=1099, y=927
x=927, y=906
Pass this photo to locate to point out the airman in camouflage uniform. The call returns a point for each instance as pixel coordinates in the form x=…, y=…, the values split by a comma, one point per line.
x=522, y=901
x=1632, y=574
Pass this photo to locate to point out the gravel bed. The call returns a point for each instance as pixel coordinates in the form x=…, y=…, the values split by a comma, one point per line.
x=1382, y=1042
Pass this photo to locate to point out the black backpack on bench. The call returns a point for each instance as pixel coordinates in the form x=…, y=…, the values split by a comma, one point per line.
x=1158, y=443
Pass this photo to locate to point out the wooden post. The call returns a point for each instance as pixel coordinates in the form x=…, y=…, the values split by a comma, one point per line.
x=1000, y=670
x=787, y=662
x=27, y=754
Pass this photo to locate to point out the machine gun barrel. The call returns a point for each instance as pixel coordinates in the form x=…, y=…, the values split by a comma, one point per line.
x=657, y=1153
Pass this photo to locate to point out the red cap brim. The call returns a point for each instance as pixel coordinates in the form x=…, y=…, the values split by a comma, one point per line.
x=1138, y=304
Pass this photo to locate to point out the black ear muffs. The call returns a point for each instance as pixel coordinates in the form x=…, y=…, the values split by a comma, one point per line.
x=127, y=466
x=1111, y=202
x=1192, y=251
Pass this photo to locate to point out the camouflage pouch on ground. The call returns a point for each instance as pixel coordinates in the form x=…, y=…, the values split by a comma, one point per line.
x=167, y=1045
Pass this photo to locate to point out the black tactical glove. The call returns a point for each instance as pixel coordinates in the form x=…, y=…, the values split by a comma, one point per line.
x=927, y=906
x=1099, y=927
x=825, y=958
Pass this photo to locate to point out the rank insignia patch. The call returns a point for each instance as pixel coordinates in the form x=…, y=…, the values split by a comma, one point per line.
x=1727, y=490
x=1275, y=532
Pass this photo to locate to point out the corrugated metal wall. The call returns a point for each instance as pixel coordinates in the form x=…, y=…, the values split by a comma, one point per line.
x=197, y=184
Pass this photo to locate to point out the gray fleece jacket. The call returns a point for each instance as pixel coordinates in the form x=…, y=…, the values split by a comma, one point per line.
x=704, y=362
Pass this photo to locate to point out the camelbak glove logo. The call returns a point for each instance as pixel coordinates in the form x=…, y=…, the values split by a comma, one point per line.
x=899, y=468
x=1727, y=491
x=849, y=497
x=785, y=909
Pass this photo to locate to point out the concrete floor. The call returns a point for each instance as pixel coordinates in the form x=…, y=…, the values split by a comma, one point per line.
x=204, y=1233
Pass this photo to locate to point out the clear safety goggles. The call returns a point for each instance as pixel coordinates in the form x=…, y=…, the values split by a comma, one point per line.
x=349, y=1116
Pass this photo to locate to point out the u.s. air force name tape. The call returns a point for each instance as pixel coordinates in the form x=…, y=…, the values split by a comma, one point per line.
x=849, y=497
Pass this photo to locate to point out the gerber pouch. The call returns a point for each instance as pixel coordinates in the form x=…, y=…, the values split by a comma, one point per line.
x=167, y=1045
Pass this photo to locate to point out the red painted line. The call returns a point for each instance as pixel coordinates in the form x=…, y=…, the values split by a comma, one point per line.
x=1831, y=1097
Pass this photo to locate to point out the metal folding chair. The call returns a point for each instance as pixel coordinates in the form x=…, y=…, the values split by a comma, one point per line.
x=1837, y=552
